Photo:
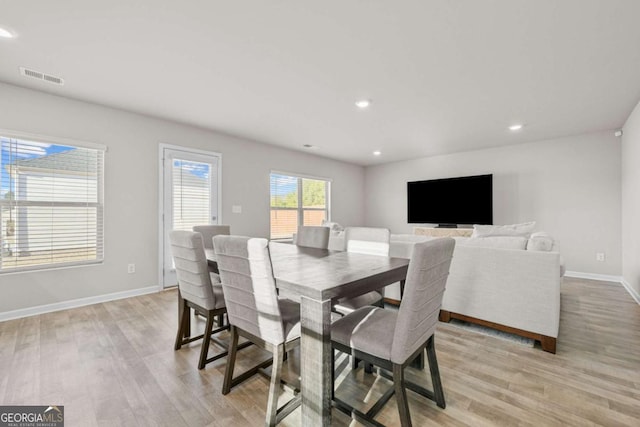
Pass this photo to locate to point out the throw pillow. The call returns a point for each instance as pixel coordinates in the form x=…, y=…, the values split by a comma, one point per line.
x=333, y=226
x=540, y=241
x=525, y=229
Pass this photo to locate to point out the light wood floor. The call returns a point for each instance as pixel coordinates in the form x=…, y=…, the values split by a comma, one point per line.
x=114, y=364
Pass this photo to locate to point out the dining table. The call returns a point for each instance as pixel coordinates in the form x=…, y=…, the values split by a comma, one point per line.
x=318, y=278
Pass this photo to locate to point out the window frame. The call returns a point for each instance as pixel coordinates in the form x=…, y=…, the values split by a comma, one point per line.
x=300, y=208
x=99, y=204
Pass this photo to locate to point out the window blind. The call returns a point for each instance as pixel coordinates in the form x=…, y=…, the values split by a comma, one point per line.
x=296, y=201
x=191, y=191
x=51, y=205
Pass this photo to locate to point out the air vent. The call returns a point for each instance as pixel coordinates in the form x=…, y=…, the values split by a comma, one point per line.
x=41, y=76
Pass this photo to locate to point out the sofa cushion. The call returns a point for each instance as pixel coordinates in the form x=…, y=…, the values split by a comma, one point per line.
x=525, y=229
x=401, y=245
x=409, y=238
x=496, y=242
x=540, y=241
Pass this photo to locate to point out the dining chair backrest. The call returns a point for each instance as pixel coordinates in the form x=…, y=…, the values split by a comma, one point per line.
x=424, y=288
x=208, y=231
x=249, y=287
x=367, y=240
x=313, y=237
x=194, y=279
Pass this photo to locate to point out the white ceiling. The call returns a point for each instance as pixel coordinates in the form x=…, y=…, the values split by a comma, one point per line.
x=444, y=75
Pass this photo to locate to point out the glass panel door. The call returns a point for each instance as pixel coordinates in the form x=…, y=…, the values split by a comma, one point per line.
x=190, y=194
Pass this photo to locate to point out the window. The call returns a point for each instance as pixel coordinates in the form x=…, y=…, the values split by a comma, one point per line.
x=192, y=193
x=297, y=200
x=51, y=204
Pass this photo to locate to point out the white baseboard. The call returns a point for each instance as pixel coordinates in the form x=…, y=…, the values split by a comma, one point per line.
x=80, y=302
x=634, y=294
x=593, y=276
x=606, y=278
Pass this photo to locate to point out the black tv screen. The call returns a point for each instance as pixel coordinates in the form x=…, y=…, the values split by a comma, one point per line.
x=451, y=201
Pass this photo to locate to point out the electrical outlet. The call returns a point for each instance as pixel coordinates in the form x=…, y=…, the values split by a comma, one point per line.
x=236, y=209
x=131, y=268
x=600, y=256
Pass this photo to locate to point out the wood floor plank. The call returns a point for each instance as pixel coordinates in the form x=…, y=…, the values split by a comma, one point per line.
x=114, y=364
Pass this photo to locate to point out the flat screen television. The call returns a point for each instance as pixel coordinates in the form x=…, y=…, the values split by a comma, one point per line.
x=451, y=201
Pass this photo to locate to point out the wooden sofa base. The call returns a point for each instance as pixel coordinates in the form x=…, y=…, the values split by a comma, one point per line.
x=547, y=343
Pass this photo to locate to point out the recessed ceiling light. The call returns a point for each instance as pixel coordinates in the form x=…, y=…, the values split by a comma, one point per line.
x=515, y=127
x=6, y=34
x=377, y=153
x=363, y=103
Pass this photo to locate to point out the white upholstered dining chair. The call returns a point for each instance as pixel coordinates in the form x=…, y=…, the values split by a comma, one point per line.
x=313, y=237
x=199, y=289
x=257, y=313
x=393, y=339
x=371, y=241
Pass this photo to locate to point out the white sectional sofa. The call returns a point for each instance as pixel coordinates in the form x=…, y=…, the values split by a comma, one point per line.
x=515, y=290
x=507, y=283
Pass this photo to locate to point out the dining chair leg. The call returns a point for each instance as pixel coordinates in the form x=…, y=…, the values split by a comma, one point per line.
x=206, y=340
x=186, y=327
x=418, y=362
x=379, y=303
x=368, y=368
x=333, y=373
x=401, y=395
x=274, y=387
x=438, y=392
x=183, y=311
x=354, y=362
x=231, y=361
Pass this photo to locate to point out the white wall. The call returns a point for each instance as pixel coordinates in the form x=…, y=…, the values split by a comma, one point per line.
x=570, y=186
x=631, y=201
x=131, y=189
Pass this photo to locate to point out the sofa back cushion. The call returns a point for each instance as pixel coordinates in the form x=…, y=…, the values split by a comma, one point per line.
x=525, y=229
x=497, y=242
